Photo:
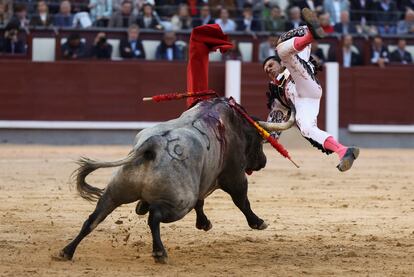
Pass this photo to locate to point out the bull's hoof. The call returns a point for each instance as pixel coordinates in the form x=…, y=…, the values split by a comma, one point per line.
x=260, y=226
x=160, y=257
x=204, y=226
x=62, y=256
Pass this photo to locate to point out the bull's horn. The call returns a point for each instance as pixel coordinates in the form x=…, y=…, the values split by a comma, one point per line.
x=280, y=126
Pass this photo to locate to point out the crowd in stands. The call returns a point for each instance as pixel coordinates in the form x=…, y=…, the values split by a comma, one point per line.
x=343, y=17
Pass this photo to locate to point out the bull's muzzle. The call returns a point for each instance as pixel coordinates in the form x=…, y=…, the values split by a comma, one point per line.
x=279, y=126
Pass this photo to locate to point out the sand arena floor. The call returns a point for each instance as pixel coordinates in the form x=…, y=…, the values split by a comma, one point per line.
x=321, y=222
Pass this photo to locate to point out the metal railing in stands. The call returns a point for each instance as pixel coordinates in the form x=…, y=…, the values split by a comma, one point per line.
x=362, y=42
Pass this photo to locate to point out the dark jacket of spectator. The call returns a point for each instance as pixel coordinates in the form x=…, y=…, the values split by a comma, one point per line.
x=36, y=21
x=340, y=28
x=73, y=52
x=386, y=16
x=21, y=23
x=153, y=24
x=401, y=56
x=60, y=20
x=130, y=49
x=383, y=53
x=10, y=47
x=163, y=50
x=118, y=20
x=102, y=50
x=362, y=9
x=254, y=25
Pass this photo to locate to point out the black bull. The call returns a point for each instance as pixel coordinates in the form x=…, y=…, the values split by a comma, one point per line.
x=174, y=166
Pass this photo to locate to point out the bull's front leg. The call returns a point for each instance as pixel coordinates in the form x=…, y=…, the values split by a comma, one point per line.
x=238, y=192
x=202, y=221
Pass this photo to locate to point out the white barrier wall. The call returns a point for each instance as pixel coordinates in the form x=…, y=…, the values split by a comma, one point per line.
x=233, y=80
x=332, y=98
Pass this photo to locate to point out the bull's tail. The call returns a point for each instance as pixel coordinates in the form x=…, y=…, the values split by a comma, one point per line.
x=87, y=166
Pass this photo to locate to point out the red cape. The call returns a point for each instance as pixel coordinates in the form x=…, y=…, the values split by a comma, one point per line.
x=203, y=40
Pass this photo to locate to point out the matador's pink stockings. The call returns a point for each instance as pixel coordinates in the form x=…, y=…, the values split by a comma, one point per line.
x=331, y=144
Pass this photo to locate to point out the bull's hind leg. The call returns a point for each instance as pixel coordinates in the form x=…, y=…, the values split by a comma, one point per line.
x=238, y=193
x=157, y=214
x=202, y=221
x=103, y=208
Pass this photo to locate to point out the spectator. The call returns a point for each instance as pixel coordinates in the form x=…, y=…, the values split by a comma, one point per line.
x=64, y=18
x=148, y=20
x=131, y=47
x=267, y=48
x=349, y=56
x=314, y=5
x=182, y=19
x=248, y=23
x=294, y=19
x=386, y=17
x=73, y=48
x=11, y=43
x=101, y=49
x=275, y=22
x=233, y=53
x=20, y=17
x=334, y=8
x=317, y=53
x=124, y=17
x=326, y=23
x=168, y=48
x=345, y=27
x=100, y=12
x=205, y=17
x=379, y=52
x=361, y=11
x=42, y=17
x=217, y=6
x=401, y=55
x=406, y=26
x=226, y=24
x=4, y=11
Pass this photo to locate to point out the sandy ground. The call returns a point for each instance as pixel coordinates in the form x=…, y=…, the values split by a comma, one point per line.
x=321, y=222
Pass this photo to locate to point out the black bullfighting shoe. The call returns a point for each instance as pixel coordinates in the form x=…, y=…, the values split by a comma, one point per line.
x=312, y=22
x=348, y=159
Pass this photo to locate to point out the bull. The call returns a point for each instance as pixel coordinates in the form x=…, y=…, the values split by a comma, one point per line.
x=174, y=166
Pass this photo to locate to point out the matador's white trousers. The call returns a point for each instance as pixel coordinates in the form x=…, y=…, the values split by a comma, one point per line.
x=304, y=92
